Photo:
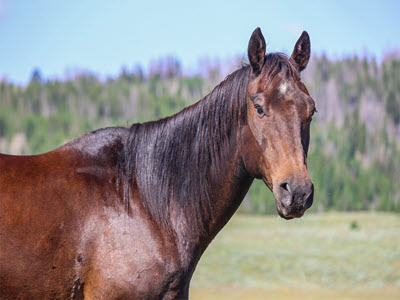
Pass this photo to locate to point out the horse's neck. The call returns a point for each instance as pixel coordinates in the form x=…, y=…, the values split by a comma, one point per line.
x=226, y=192
x=195, y=178
x=231, y=185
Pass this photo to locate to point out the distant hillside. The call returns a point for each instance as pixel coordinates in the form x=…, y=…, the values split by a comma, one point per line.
x=354, y=157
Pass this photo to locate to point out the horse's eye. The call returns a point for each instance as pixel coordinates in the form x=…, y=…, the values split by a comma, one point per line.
x=259, y=109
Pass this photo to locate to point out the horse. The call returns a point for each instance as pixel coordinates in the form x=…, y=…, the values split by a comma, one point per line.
x=126, y=213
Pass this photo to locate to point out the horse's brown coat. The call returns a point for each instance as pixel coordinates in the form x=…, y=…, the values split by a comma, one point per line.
x=64, y=228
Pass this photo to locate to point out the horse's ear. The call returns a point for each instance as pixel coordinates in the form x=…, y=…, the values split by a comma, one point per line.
x=256, y=51
x=302, y=50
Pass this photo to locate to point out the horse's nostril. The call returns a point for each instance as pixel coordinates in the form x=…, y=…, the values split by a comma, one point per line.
x=284, y=185
x=285, y=194
x=310, y=198
x=309, y=202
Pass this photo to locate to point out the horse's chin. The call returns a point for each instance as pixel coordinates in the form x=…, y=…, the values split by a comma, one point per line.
x=284, y=215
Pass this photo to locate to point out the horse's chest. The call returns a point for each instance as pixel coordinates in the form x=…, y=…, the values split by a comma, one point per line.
x=127, y=258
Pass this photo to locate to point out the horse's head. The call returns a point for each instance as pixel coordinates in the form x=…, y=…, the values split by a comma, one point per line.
x=279, y=112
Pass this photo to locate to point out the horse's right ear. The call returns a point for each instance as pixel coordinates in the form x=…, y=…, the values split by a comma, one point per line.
x=256, y=51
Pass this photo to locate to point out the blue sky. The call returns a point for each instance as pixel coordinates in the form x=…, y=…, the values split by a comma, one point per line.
x=102, y=36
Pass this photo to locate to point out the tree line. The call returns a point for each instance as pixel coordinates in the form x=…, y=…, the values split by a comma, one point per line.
x=354, y=156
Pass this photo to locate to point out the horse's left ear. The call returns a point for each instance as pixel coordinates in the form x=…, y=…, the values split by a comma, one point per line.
x=302, y=50
x=256, y=51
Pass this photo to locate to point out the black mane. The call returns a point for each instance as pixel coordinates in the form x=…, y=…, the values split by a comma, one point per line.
x=169, y=160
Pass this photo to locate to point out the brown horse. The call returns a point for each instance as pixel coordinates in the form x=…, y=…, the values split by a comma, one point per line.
x=126, y=213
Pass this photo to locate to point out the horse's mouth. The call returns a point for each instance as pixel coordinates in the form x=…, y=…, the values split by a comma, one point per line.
x=288, y=216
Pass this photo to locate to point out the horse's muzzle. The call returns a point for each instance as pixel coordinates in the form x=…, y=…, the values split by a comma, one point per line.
x=294, y=198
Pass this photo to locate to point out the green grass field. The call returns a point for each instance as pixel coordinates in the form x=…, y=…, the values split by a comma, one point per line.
x=320, y=256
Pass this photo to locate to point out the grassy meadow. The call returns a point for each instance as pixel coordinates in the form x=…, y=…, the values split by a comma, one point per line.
x=320, y=256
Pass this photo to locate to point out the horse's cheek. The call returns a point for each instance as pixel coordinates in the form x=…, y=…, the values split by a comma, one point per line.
x=252, y=155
